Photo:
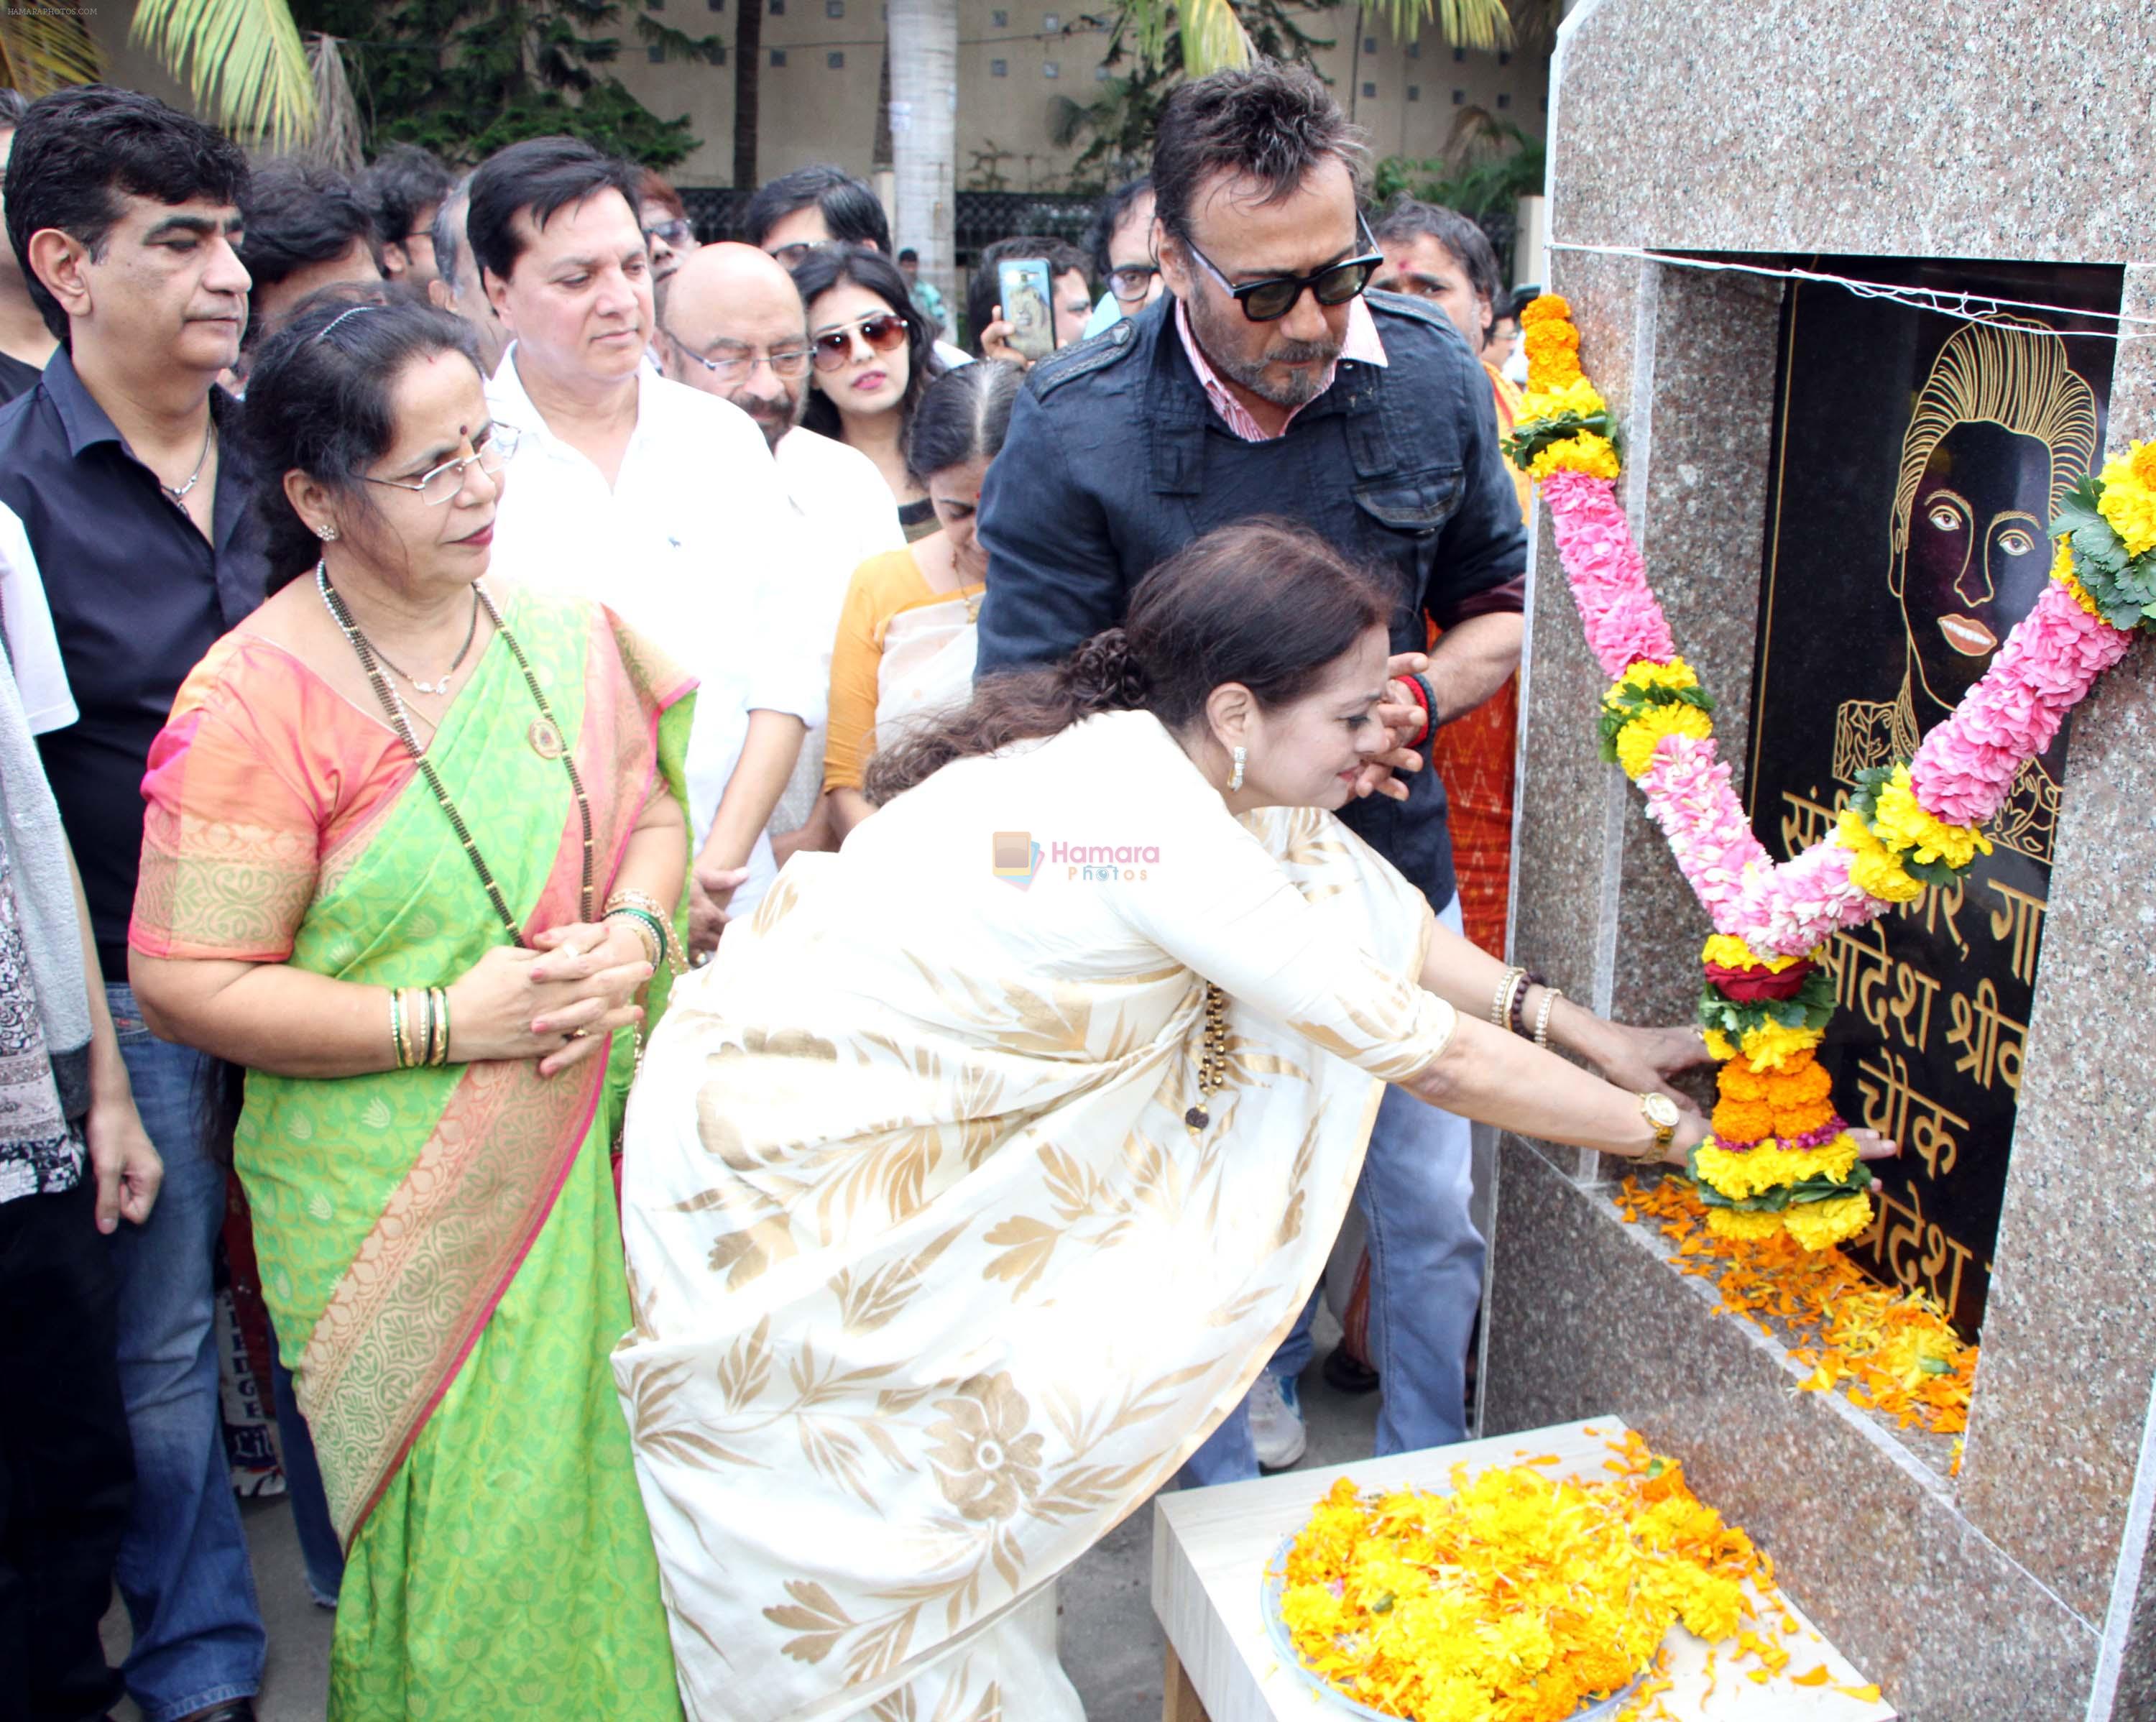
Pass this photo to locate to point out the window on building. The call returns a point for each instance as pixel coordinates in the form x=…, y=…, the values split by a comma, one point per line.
x=1000, y=68
x=655, y=5
x=778, y=8
x=1101, y=74
x=1369, y=44
x=1051, y=23
x=1504, y=99
x=1414, y=50
x=1414, y=92
x=719, y=55
x=1504, y=58
x=835, y=60
x=1459, y=56
x=999, y=20
x=778, y=56
x=715, y=5
x=835, y=8
x=1051, y=69
x=1458, y=97
x=1369, y=92
x=656, y=53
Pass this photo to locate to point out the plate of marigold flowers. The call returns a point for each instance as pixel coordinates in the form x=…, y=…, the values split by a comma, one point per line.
x=1515, y=1596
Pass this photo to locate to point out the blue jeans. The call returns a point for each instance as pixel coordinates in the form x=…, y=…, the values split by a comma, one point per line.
x=1425, y=1284
x=183, y=1568
x=303, y=1488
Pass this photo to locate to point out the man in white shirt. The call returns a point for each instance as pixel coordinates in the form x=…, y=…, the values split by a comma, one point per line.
x=734, y=327
x=653, y=498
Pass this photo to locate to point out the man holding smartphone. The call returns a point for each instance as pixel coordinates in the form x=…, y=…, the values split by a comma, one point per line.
x=1028, y=267
x=1262, y=382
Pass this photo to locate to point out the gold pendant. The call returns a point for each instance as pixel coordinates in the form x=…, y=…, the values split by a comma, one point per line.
x=545, y=740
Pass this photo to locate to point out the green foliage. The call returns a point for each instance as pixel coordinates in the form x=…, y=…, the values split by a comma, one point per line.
x=1144, y=66
x=463, y=78
x=2123, y=586
x=1479, y=182
x=1817, y=1188
x=1530, y=439
x=1812, y=1008
x=1624, y=702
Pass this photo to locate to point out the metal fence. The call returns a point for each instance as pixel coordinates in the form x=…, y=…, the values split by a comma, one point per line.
x=982, y=217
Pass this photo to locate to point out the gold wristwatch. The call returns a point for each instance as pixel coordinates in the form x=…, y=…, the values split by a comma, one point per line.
x=1661, y=1111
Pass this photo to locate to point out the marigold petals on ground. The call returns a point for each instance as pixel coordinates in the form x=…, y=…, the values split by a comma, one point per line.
x=1892, y=1351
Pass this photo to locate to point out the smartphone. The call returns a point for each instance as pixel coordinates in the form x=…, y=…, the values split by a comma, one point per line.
x=1021, y=290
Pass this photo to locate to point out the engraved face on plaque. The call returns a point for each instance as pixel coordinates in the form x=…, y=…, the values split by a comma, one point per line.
x=1919, y=459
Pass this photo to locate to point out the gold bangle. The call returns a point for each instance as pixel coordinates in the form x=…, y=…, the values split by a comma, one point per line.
x=647, y=927
x=670, y=947
x=1500, y=1007
x=438, y=999
x=1550, y=996
x=397, y=1028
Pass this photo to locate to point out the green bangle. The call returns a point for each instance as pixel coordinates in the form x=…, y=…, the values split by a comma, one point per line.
x=651, y=922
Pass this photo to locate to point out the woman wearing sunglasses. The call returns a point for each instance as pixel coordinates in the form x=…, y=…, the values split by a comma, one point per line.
x=873, y=357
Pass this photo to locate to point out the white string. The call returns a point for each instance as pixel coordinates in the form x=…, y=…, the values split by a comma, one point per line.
x=1968, y=307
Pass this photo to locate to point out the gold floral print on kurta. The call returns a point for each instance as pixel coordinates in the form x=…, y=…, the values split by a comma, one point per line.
x=939, y=1250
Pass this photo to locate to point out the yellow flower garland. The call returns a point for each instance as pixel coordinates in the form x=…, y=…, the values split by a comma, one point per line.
x=1875, y=872
x=1738, y=1175
x=1637, y=740
x=1816, y=1225
x=2128, y=501
x=1903, y=826
x=1726, y=950
x=1583, y=451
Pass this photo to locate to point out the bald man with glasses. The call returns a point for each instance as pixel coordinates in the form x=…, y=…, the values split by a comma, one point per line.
x=734, y=326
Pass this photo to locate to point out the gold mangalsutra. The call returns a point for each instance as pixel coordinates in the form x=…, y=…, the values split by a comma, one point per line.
x=1212, y=1058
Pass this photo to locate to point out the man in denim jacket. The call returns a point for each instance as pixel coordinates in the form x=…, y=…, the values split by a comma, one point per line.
x=1264, y=383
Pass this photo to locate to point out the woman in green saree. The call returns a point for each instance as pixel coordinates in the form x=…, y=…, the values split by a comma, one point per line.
x=418, y=906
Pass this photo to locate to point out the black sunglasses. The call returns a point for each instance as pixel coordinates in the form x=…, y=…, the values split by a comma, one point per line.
x=1269, y=301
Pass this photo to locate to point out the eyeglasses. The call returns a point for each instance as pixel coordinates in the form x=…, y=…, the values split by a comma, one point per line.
x=738, y=363
x=885, y=332
x=1131, y=282
x=677, y=233
x=791, y=255
x=1269, y=301
x=436, y=487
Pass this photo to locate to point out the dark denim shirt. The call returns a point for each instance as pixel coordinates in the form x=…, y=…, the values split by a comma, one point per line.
x=1115, y=461
x=137, y=598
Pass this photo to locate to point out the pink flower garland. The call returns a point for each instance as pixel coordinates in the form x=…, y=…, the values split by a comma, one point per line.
x=1961, y=773
x=1621, y=616
x=1965, y=767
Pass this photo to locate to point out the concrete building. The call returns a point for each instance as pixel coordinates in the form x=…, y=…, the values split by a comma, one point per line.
x=821, y=60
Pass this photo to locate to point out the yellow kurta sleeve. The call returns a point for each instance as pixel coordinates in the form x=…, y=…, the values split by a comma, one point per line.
x=880, y=588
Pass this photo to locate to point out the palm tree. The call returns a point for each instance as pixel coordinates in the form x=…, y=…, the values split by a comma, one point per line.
x=41, y=51
x=243, y=61
x=1213, y=36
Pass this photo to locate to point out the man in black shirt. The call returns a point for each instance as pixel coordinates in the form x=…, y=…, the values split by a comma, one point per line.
x=1264, y=383
x=25, y=342
x=124, y=216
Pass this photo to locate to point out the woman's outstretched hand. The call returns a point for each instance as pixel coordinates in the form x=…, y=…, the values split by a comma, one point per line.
x=1644, y=1059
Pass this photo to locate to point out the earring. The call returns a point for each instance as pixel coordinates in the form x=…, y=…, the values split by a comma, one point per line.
x=1236, y=777
x=326, y=533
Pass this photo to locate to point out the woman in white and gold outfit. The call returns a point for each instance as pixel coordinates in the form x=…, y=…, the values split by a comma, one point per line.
x=970, y=1186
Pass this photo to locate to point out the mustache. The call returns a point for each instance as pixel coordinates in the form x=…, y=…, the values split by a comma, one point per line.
x=1296, y=353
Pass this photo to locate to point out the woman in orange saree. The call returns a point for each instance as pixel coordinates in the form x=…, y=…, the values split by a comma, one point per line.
x=403, y=942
